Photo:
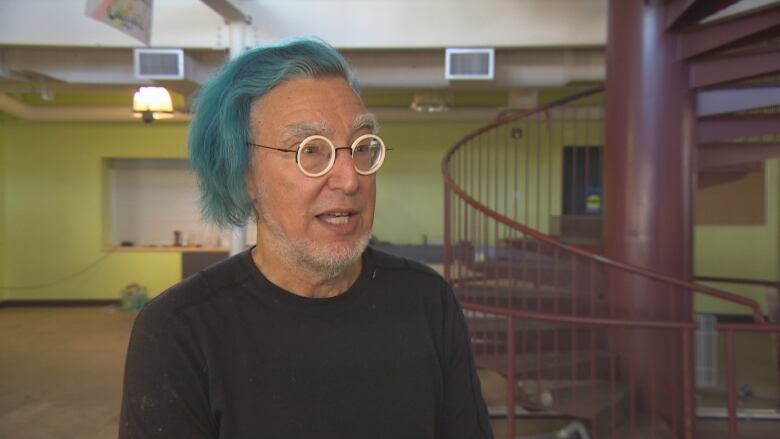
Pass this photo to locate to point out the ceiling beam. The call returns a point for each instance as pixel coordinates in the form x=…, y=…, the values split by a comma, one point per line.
x=729, y=100
x=713, y=155
x=723, y=33
x=394, y=69
x=60, y=69
x=229, y=10
x=71, y=114
x=727, y=68
x=38, y=113
x=723, y=128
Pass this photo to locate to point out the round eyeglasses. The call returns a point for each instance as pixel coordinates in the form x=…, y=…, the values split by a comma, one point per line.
x=316, y=154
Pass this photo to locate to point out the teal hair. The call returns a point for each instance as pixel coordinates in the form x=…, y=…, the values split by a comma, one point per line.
x=219, y=133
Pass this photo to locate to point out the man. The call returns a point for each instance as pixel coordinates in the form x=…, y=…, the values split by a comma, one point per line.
x=309, y=333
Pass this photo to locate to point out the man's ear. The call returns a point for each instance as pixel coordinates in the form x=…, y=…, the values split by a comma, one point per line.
x=249, y=183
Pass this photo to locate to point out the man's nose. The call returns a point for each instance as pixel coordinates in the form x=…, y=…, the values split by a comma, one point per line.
x=343, y=176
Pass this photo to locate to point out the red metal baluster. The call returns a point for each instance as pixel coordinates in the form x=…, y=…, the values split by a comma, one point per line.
x=731, y=384
x=689, y=409
x=511, y=381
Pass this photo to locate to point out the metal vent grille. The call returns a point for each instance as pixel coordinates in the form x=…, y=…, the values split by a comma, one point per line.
x=476, y=64
x=159, y=63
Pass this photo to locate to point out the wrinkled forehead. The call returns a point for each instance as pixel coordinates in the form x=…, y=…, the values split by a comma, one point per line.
x=305, y=107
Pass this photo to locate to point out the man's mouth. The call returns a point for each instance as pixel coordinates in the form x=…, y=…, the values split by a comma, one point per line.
x=336, y=218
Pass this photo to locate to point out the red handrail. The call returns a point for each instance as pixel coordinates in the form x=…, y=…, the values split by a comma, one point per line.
x=584, y=321
x=502, y=120
x=686, y=330
x=451, y=185
x=725, y=295
x=738, y=280
x=731, y=366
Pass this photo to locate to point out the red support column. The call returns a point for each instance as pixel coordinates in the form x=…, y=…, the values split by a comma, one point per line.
x=649, y=180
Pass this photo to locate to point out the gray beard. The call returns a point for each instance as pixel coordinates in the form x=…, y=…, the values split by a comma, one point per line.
x=326, y=261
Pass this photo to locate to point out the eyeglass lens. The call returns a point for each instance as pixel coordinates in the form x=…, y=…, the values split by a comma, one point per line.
x=315, y=154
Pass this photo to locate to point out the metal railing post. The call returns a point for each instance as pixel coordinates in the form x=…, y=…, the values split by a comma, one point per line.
x=731, y=384
x=689, y=410
x=510, y=377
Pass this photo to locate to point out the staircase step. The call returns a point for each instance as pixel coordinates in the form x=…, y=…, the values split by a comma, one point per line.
x=716, y=70
x=501, y=287
x=713, y=155
x=604, y=408
x=731, y=127
x=530, y=428
x=581, y=226
x=645, y=429
x=499, y=326
x=582, y=401
x=720, y=34
x=563, y=274
x=490, y=337
x=494, y=387
x=737, y=98
x=561, y=303
x=493, y=290
x=599, y=405
x=547, y=365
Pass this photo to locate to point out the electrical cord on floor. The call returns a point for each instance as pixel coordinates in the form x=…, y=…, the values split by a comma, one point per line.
x=62, y=279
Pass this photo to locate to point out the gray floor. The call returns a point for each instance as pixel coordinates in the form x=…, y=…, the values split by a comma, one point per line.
x=61, y=377
x=60, y=372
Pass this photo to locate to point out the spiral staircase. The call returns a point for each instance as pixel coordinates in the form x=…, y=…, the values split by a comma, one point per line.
x=523, y=243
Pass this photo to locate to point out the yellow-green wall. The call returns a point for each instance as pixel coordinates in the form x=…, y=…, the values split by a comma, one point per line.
x=54, y=206
x=52, y=203
x=410, y=193
x=53, y=209
x=2, y=205
x=741, y=251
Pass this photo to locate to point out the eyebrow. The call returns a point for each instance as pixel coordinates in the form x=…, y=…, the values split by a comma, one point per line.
x=301, y=130
x=298, y=131
x=366, y=121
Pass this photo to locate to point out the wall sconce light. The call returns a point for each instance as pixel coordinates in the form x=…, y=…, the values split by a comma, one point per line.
x=152, y=103
x=429, y=103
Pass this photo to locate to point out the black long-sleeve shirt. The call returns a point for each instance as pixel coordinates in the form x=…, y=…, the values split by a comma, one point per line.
x=228, y=354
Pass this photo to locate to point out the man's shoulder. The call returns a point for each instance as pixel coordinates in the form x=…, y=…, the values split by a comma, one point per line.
x=200, y=288
x=403, y=267
x=410, y=281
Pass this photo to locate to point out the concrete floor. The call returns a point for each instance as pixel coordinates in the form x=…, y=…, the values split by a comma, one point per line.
x=61, y=376
x=61, y=372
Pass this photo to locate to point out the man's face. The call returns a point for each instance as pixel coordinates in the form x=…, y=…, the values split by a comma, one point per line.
x=321, y=223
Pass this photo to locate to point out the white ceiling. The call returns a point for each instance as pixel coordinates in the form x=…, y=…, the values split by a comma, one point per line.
x=51, y=46
x=371, y=24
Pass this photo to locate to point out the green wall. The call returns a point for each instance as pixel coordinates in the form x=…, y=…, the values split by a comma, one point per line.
x=2, y=205
x=741, y=251
x=410, y=190
x=52, y=204
x=54, y=209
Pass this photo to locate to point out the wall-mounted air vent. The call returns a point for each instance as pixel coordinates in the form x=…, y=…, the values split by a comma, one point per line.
x=158, y=63
x=475, y=64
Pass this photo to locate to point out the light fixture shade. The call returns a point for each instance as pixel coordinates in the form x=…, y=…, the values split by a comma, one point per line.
x=429, y=103
x=152, y=103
